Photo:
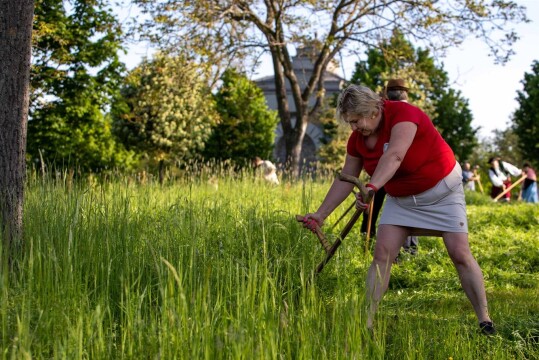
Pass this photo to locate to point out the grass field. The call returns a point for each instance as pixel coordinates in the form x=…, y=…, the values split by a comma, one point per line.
x=219, y=269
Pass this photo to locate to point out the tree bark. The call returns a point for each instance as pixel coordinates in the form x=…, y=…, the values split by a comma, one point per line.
x=15, y=51
x=283, y=69
x=293, y=142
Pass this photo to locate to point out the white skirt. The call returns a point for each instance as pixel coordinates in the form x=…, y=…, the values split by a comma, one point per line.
x=439, y=209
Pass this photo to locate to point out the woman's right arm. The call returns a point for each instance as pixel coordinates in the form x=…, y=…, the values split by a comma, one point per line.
x=338, y=191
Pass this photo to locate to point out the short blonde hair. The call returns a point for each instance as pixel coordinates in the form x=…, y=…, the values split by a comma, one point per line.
x=359, y=100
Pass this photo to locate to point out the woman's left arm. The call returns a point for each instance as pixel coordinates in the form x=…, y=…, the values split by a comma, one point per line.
x=402, y=136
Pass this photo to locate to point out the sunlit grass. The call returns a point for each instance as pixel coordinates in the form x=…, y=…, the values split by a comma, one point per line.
x=217, y=267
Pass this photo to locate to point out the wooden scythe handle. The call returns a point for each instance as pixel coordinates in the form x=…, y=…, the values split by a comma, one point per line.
x=478, y=181
x=363, y=190
x=510, y=188
x=330, y=249
x=337, y=243
x=319, y=234
x=345, y=213
x=349, y=225
x=355, y=181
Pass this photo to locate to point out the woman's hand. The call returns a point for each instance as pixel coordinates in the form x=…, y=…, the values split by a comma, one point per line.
x=363, y=204
x=311, y=221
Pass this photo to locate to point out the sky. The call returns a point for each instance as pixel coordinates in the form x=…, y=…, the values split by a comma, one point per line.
x=490, y=89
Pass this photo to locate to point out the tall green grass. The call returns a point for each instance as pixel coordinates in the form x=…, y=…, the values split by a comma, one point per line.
x=217, y=268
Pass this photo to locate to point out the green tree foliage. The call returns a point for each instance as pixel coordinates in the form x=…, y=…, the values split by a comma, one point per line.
x=75, y=74
x=479, y=157
x=247, y=125
x=333, y=149
x=165, y=111
x=220, y=31
x=526, y=117
x=505, y=144
x=397, y=58
x=453, y=119
x=429, y=89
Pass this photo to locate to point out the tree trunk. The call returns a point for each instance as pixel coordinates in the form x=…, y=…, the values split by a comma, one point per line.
x=15, y=48
x=293, y=135
x=284, y=70
x=294, y=142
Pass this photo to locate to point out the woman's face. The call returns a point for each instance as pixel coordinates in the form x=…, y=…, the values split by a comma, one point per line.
x=365, y=125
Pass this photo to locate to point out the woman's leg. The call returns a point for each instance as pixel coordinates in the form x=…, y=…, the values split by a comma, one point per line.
x=388, y=243
x=469, y=272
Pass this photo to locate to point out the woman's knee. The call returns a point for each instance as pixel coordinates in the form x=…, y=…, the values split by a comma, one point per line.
x=385, y=252
x=458, y=248
x=389, y=240
x=461, y=256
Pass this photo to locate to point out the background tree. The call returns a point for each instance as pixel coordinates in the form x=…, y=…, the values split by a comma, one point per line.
x=15, y=48
x=480, y=155
x=333, y=149
x=227, y=28
x=429, y=89
x=165, y=111
x=247, y=126
x=505, y=144
x=453, y=119
x=526, y=117
x=75, y=74
x=397, y=58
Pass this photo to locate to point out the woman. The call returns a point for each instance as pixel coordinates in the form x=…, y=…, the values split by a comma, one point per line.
x=529, y=188
x=400, y=149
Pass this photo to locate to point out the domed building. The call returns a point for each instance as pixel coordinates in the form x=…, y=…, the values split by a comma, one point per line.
x=303, y=68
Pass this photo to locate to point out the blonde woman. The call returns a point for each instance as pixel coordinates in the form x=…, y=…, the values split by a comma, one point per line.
x=398, y=146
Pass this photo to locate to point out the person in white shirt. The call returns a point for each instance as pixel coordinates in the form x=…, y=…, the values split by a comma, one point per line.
x=500, y=173
x=468, y=177
x=269, y=170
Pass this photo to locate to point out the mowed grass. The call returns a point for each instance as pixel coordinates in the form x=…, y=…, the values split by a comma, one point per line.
x=220, y=269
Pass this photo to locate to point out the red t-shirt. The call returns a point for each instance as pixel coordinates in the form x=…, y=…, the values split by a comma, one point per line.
x=428, y=160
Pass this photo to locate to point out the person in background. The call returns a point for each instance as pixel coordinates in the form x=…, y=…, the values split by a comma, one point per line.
x=500, y=173
x=529, y=188
x=399, y=147
x=396, y=90
x=269, y=171
x=468, y=177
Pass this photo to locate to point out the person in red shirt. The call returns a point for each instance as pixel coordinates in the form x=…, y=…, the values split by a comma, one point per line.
x=396, y=90
x=399, y=147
